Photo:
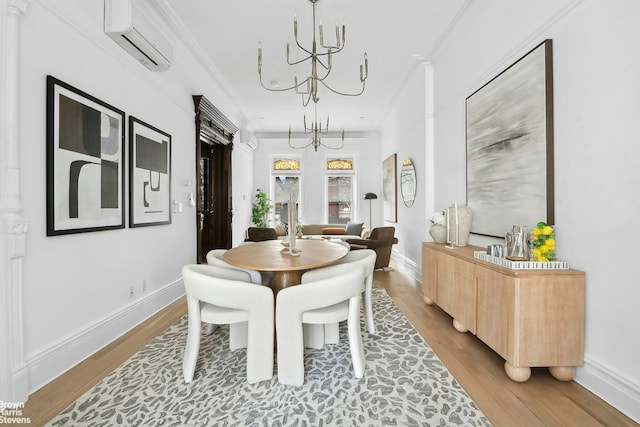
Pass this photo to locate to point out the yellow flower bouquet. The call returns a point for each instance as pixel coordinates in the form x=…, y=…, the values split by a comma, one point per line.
x=543, y=242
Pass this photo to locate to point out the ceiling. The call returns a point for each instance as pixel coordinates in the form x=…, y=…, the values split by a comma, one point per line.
x=397, y=37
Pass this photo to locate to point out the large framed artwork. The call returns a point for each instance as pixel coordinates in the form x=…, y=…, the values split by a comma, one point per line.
x=149, y=175
x=85, y=162
x=389, y=189
x=510, y=146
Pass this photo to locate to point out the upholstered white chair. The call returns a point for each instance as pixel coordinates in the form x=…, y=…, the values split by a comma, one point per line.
x=215, y=257
x=218, y=296
x=367, y=257
x=316, y=336
x=334, y=297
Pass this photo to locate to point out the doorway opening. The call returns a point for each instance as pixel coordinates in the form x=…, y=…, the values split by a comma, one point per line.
x=214, y=204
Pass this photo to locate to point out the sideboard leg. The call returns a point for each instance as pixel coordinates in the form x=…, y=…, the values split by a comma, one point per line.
x=459, y=326
x=563, y=373
x=519, y=374
x=427, y=300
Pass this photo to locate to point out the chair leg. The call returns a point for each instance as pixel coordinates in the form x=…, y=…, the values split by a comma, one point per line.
x=211, y=328
x=192, y=347
x=259, y=351
x=368, y=311
x=332, y=333
x=355, y=337
x=290, y=351
x=238, y=335
x=314, y=336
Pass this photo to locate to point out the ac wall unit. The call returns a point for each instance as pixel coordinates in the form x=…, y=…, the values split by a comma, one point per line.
x=246, y=137
x=125, y=23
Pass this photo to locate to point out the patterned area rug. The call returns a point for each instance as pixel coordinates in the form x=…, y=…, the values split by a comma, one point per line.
x=405, y=384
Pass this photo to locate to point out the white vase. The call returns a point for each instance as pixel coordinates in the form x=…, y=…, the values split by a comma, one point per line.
x=438, y=233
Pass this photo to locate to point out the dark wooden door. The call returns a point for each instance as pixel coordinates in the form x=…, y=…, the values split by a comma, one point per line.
x=214, y=207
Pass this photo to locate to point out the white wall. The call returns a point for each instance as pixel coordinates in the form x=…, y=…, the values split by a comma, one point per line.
x=596, y=91
x=404, y=132
x=243, y=190
x=365, y=152
x=76, y=287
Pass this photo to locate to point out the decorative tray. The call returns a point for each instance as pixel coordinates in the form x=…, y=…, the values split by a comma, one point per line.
x=522, y=265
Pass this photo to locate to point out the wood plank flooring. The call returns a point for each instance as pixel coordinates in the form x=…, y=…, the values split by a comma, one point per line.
x=541, y=401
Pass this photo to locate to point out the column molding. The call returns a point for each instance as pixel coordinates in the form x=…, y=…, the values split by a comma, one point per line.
x=14, y=384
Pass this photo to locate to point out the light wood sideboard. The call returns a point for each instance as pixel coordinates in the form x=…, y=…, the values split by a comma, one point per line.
x=531, y=318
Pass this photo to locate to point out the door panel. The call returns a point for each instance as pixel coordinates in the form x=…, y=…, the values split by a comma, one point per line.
x=214, y=136
x=214, y=199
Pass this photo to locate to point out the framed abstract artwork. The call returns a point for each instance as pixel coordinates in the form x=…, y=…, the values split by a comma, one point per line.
x=85, y=162
x=149, y=175
x=389, y=189
x=509, y=124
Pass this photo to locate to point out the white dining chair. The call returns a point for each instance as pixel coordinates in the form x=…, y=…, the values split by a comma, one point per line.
x=367, y=257
x=316, y=336
x=215, y=257
x=334, y=297
x=217, y=295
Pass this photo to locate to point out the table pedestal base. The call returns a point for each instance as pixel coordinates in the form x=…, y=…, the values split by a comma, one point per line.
x=283, y=279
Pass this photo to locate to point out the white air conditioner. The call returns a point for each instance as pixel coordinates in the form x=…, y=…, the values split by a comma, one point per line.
x=125, y=23
x=245, y=137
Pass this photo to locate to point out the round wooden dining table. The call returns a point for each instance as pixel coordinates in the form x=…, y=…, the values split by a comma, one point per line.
x=272, y=255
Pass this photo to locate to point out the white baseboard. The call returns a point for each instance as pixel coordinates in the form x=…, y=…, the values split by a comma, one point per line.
x=610, y=386
x=407, y=266
x=48, y=363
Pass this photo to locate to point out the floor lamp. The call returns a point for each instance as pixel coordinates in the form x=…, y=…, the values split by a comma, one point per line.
x=370, y=197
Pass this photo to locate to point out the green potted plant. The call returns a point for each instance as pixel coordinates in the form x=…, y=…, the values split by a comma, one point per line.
x=261, y=209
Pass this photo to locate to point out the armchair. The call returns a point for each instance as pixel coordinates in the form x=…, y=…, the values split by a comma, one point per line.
x=380, y=240
x=259, y=234
x=333, y=296
x=224, y=296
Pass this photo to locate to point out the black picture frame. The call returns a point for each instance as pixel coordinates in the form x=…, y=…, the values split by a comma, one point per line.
x=509, y=144
x=149, y=175
x=85, y=161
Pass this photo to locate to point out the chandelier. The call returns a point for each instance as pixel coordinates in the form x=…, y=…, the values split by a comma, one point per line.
x=316, y=130
x=320, y=62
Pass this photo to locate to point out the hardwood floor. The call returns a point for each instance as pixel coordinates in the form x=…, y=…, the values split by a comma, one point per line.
x=541, y=401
